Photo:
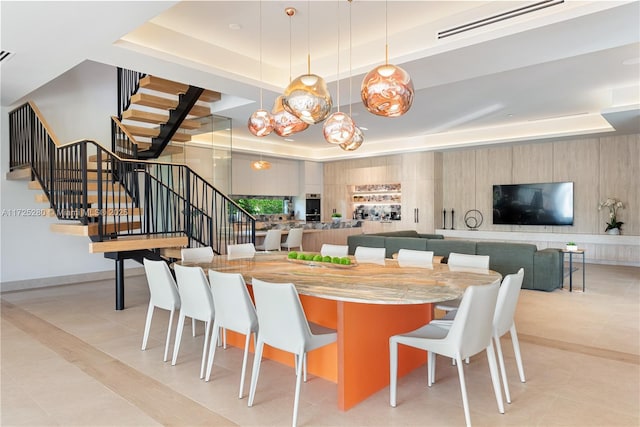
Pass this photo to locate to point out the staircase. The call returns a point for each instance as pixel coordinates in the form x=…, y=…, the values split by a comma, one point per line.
x=128, y=208
x=159, y=115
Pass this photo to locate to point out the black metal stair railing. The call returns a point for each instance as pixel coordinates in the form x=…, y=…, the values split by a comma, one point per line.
x=125, y=196
x=128, y=84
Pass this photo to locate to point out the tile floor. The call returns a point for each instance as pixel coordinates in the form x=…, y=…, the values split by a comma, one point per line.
x=69, y=359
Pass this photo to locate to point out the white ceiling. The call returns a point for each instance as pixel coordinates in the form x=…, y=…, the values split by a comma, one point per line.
x=569, y=69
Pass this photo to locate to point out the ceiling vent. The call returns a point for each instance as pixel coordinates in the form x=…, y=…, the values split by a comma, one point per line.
x=5, y=55
x=499, y=17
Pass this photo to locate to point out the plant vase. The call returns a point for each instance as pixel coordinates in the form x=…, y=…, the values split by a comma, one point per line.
x=572, y=248
x=613, y=231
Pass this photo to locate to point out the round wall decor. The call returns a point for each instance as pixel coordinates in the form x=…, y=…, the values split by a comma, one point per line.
x=473, y=219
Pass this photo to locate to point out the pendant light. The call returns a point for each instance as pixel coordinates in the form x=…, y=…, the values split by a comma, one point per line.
x=339, y=127
x=307, y=97
x=285, y=123
x=387, y=90
x=261, y=121
x=358, y=137
x=260, y=165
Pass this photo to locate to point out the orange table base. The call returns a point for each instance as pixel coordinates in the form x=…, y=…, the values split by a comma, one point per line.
x=359, y=362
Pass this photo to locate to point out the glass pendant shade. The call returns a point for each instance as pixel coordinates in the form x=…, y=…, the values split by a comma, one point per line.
x=338, y=128
x=261, y=123
x=356, y=141
x=387, y=91
x=308, y=98
x=260, y=165
x=285, y=123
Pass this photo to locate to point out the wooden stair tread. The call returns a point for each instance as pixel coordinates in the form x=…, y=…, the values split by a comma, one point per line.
x=154, y=132
x=34, y=185
x=157, y=119
x=171, y=253
x=132, y=243
x=78, y=229
x=106, y=212
x=108, y=198
x=169, y=149
x=168, y=86
x=19, y=174
x=166, y=104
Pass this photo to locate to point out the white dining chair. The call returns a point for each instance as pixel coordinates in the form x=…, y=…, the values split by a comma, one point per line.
x=364, y=254
x=272, y=241
x=234, y=311
x=294, y=239
x=197, y=254
x=503, y=322
x=283, y=325
x=163, y=294
x=466, y=261
x=334, y=250
x=202, y=253
x=410, y=257
x=241, y=250
x=469, y=334
x=197, y=303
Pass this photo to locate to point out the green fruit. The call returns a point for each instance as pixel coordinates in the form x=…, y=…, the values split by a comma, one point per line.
x=292, y=255
x=335, y=260
x=326, y=258
x=302, y=257
x=345, y=261
x=317, y=258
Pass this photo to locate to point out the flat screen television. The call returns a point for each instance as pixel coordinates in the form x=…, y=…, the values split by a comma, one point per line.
x=533, y=204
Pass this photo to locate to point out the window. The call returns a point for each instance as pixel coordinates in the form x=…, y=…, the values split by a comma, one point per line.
x=262, y=206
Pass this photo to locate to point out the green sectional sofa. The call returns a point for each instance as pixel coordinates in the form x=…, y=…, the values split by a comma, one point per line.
x=542, y=268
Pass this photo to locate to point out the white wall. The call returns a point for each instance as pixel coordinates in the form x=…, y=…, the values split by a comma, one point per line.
x=77, y=105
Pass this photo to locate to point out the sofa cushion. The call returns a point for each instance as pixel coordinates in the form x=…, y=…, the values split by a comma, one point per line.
x=508, y=258
x=394, y=244
x=431, y=236
x=400, y=233
x=441, y=247
x=367, y=240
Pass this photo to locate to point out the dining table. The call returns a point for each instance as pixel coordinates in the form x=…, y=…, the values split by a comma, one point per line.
x=365, y=302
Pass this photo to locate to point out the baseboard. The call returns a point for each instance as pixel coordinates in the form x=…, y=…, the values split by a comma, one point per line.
x=43, y=282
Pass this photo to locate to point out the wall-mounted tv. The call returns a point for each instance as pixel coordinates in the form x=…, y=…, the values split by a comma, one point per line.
x=533, y=204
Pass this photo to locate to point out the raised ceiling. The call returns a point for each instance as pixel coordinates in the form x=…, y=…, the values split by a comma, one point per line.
x=568, y=69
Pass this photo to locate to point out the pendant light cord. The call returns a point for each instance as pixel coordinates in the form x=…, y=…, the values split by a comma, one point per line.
x=386, y=34
x=308, y=37
x=260, y=38
x=338, y=71
x=350, y=58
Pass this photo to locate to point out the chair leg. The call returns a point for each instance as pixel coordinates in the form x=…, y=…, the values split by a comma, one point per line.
x=296, y=399
x=176, y=347
x=147, y=326
x=205, y=347
x=503, y=371
x=516, y=351
x=168, y=341
x=212, y=350
x=431, y=368
x=304, y=367
x=463, y=391
x=244, y=363
x=495, y=380
x=255, y=372
x=393, y=372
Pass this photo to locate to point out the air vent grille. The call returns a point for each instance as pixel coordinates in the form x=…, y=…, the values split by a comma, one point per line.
x=5, y=55
x=499, y=17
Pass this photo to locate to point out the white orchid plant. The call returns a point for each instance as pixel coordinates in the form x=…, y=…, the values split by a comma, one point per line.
x=613, y=205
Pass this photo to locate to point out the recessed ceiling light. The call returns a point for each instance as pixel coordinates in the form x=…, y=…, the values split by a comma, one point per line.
x=363, y=128
x=289, y=140
x=235, y=27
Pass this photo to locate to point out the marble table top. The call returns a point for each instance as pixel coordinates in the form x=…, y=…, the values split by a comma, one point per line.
x=370, y=283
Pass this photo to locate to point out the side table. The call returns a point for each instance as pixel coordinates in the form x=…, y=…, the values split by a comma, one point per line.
x=571, y=253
